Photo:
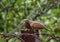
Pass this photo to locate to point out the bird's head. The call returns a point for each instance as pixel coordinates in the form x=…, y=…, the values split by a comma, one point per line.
x=25, y=21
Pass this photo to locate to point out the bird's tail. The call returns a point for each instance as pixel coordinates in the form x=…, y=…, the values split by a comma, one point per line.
x=46, y=28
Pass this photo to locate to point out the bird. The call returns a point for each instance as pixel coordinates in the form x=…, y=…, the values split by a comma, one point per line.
x=35, y=25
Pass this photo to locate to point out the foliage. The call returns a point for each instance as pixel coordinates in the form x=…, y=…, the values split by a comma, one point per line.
x=12, y=13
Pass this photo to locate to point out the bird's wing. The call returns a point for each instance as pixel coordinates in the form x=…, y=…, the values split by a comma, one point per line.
x=37, y=25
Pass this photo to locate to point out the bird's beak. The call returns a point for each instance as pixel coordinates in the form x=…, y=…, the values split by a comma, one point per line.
x=24, y=22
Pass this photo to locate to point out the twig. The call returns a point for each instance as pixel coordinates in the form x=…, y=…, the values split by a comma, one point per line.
x=12, y=35
x=34, y=35
x=42, y=13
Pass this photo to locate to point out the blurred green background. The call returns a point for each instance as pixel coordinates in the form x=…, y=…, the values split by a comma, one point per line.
x=12, y=13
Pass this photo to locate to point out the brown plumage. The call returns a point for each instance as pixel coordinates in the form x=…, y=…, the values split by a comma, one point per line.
x=29, y=24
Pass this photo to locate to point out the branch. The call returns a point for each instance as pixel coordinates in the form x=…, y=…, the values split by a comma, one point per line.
x=12, y=35
x=34, y=35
